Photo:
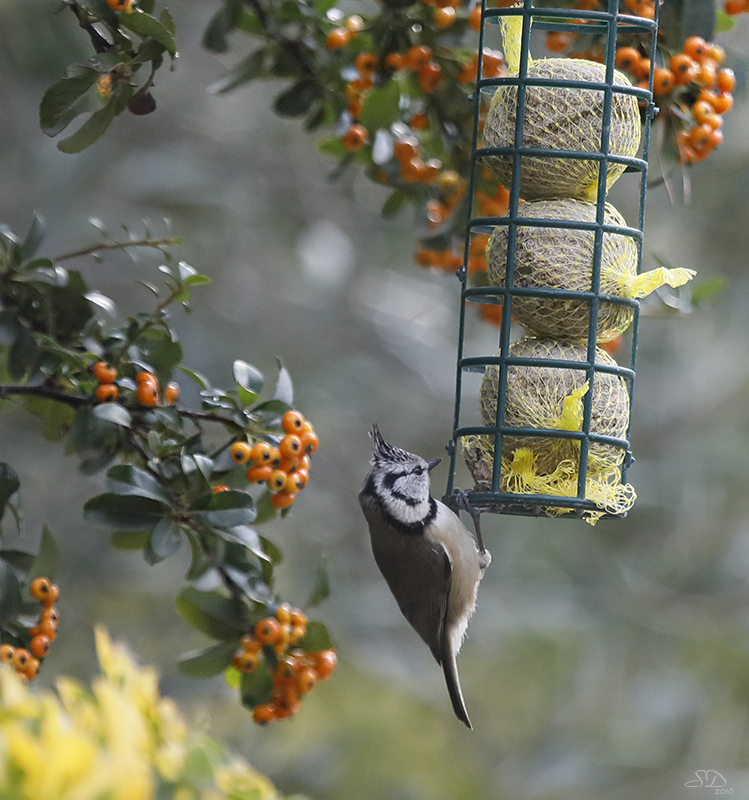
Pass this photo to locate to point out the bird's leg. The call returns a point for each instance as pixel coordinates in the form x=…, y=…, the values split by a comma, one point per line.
x=462, y=502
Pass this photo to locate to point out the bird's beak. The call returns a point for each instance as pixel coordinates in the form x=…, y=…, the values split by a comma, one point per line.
x=432, y=463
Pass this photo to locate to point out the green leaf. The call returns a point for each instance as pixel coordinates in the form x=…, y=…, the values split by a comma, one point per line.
x=211, y=613
x=381, y=108
x=33, y=238
x=256, y=688
x=125, y=479
x=207, y=661
x=147, y=26
x=66, y=99
x=94, y=127
x=10, y=593
x=284, y=390
x=100, y=9
x=249, y=69
x=114, y=413
x=297, y=100
x=23, y=356
x=316, y=638
x=229, y=509
x=125, y=512
x=394, y=203
x=224, y=21
x=331, y=146
x=9, y=485
x=46, y=558
x=249, y=381
x=724, y=22
x=321, y=590
x=197, y=280
x=129, y=540
x=201, y=380
x=707, y=290
x=164, y=541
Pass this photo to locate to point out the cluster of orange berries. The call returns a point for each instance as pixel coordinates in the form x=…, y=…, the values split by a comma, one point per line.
x=697, y=66
x=285, y=469
x=296, y=673
x=735, y=7
x=493, y=64
x=26, y=662
x=146, y=386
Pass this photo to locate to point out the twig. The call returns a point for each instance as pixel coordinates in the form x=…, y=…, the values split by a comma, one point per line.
x=87, y=251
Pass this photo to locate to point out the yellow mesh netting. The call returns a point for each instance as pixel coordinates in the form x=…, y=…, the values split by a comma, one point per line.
x=559, y=118
x=562, y=258
x=552, y=398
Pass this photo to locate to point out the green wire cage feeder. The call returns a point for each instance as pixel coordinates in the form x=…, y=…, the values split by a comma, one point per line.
x=554, y=407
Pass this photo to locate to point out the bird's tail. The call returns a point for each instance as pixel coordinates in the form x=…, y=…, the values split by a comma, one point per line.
x=450, y=668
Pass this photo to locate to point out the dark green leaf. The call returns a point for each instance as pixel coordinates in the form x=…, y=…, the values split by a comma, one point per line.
x=224, y=21
x=164, y=541
x=256, y=688
x=200, y=562
x=229, y=509
x=129, y=540
x=127, y=479
x=23, y=357
x=94, y=127
x=125, y=512
x=321, y=590
x=265, y=510
x=46, y=558
x=381, y=108
x=316, y=638
x=249, y=381
x=10, y=594
x=207, y=661
x=298, y=99
x=114, y=413
x=146, y=26
x=252, y=67
x=9, y=484
x=100, y=9
x=201, y=380
x=211, y=613
x=273, y=553
x=394, y=203
x=68, y=98
x=33, y=238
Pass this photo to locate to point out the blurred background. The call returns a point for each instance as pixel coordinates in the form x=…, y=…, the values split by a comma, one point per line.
x=603, y=662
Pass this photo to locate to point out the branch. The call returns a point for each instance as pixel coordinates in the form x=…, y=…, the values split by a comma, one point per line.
x=145, y=242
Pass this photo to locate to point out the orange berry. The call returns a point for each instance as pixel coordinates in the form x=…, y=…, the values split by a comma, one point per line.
x=262, y=453
x=701, y=110
x=354, y=23
x=290, y=446
x=716, y=52
x=240, y=452
x=50, y=598
x=220, y=488
x=699, y=136
x=734, y=7
x=683, y=67
x=264, y=714
x=121, y=5
x=558, y=41
x=245, y=662
x=40, y=588
x=171, y=393
x=281, y=501
x=642, y=69
x=412, y=171
x=663, y=81
x=283, y=613
x=6, y=653
x=707, y=74
x=492, y=63
x=366, y=63
x=292, y=422
x=107, y=392
x=146, y=377
x=147, y=394
x=338, y=38
x=104, y=372
x=287, y=705
x=40, y=645
x=291, y=485
x=21, y=658
x=444, y=17
x=430, y=77
x=417, y=57
x=419, y=121
x=726, y=80
x=722, y=102
x=424, y=257
x=50, y=615
x=277, y=480
x=406, y=148
x=287, y=669
x=268, y=630
x=325, y=663
x=306, y=680
x=309, y=442
x=393, y=62
x=298, y=617
x=474, y=18
x=31, y=670
x=695, y=47
x=627, y=58
x=355, y=138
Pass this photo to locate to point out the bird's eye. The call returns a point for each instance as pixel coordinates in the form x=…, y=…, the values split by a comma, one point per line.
x=418, y=470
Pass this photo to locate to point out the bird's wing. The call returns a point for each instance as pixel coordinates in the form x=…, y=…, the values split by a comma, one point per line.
x=420, y=581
